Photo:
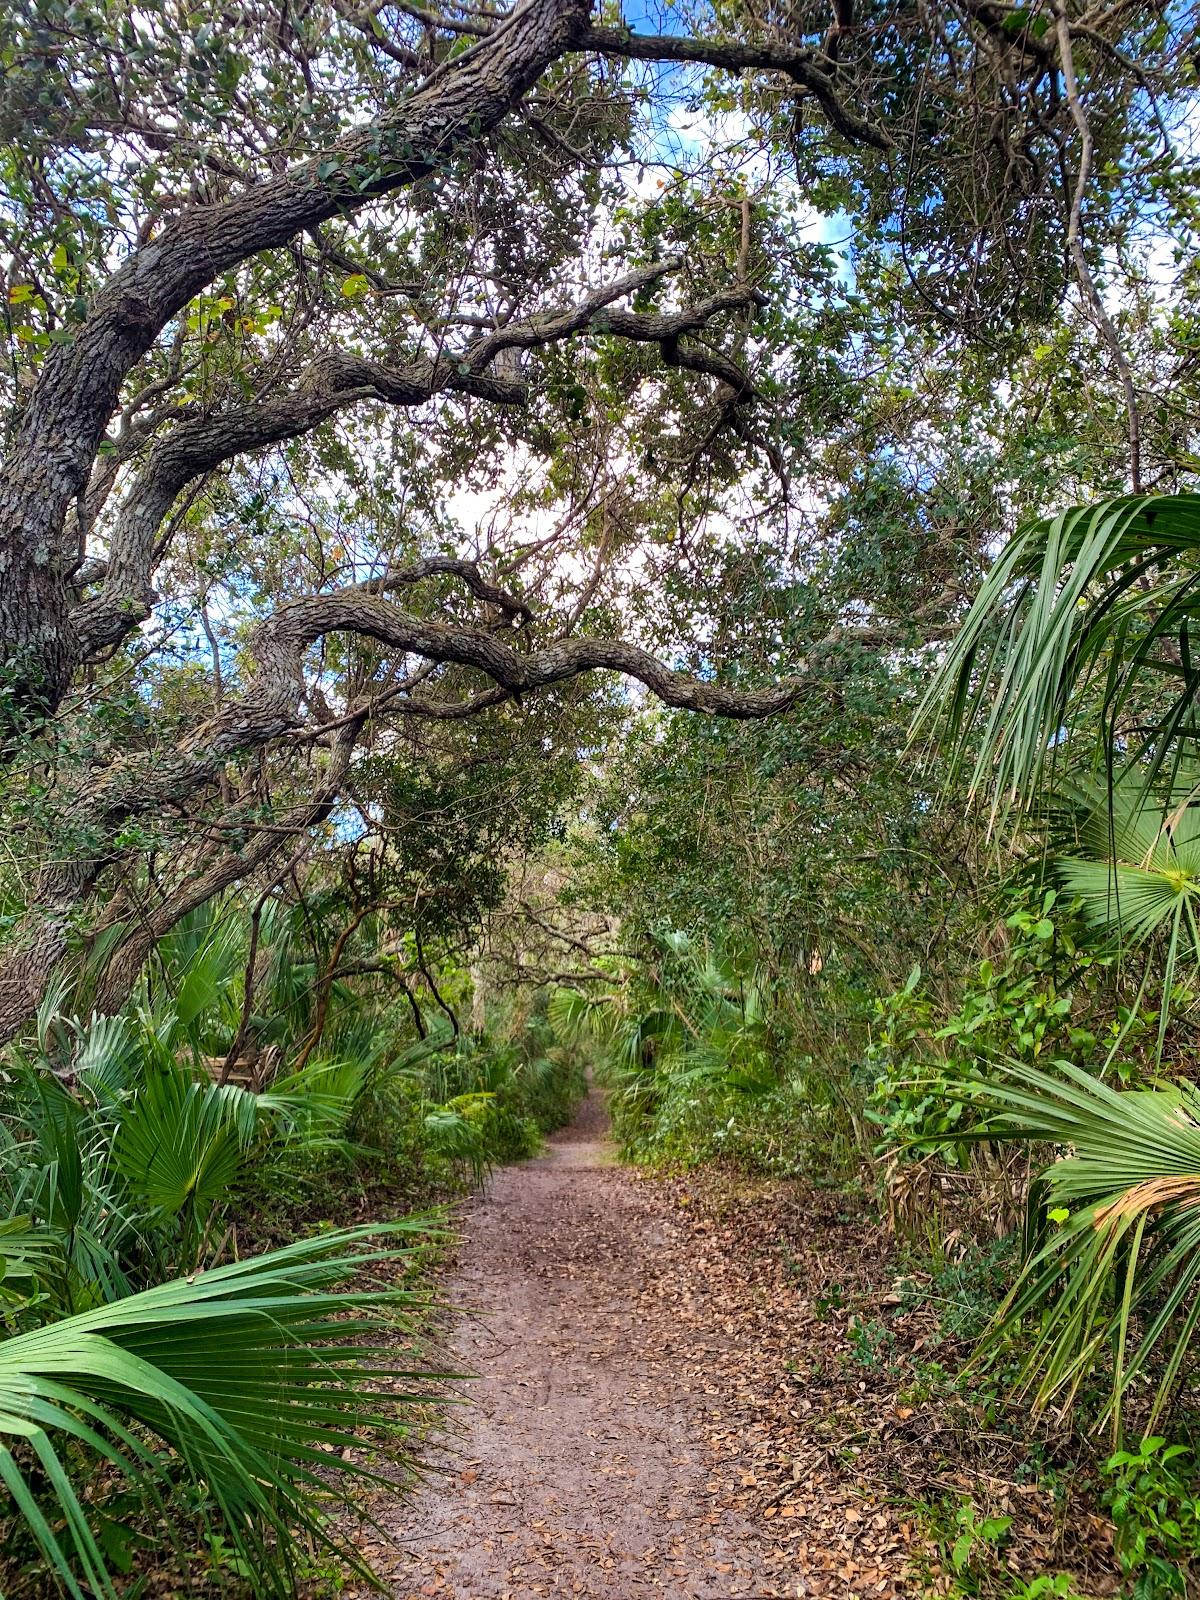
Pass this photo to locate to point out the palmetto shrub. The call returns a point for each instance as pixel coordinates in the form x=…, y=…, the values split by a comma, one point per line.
x=239, y=1394
x=1112, y=1274
x=256, y=1383
x=233, y=1401
x=689, y=1052
x=1072, y=690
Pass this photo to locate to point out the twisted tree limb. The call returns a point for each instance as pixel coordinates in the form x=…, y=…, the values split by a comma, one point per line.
x=140, y=787
x=79, y=386
x=216, y=872
x=807, y=69
x=339, y=380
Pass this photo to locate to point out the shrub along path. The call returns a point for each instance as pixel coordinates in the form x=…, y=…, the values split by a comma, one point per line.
x=665, y=1404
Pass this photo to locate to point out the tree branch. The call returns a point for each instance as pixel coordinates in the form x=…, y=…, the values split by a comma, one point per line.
x=80, y=383
x=213, y=878
x=803, y=66
x=1075, y=246
x=137, y=787
x=341, y=379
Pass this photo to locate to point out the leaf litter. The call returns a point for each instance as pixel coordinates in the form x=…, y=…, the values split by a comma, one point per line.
x=700, y=1387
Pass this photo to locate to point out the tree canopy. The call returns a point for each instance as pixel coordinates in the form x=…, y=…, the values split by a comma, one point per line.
x=371, y=370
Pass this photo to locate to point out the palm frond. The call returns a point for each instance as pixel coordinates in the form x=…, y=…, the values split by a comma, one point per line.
x=181, y=1143
x=455, y=1137
x=1119, y=1270
x=1082, y=599
x=261, y=1379
x=1131, y=857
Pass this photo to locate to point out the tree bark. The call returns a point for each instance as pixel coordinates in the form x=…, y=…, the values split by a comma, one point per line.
x=40, y=943
x=80, y=384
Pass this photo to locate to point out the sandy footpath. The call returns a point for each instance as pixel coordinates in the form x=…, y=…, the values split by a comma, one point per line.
x=580, y=1466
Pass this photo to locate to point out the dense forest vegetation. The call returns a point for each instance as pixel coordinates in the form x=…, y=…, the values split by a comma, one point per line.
x=564, y=541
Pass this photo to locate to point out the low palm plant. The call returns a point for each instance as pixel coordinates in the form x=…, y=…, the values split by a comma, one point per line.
x=455, y=1137
x=1133, y=860
x=1113, y=1268
x=1072, y=688
x=243, y=1394
x=694, y=1023
x=133, y=1154
x=1129, y=858
x=243, y=1390
x=56, y=1170
x=258, y=1383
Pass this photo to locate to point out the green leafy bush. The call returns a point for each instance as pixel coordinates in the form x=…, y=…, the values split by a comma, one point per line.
x=1025, y=1007
x=690, y=1050
x=1155, y=1508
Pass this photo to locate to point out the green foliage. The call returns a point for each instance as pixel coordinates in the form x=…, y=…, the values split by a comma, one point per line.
x=1045, y=1587
x=975, y=1534
x=1071, y=695
x=871, y=1345
x=785, y=840
x=1141, y=879
x=969, y=1289
x=132, y=1162
x=254, y=1382
x=972, y=1546
x=1155, y=1509
x=495, y=1102
x=911, y=404
x=968, y=1543
x=229, y=1402
x=1030, y=1003
x=454, y=1138
x=1115, y=1266
x=1085, y=600
x=181, y=1145
x=1132, y=856
x=692, y=1055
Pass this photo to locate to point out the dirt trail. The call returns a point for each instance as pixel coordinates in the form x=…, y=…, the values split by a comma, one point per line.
x=581, y=1467
x=706, y=1387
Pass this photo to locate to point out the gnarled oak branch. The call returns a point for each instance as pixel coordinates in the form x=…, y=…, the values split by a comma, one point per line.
x=140, y=787
x=341, y=379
